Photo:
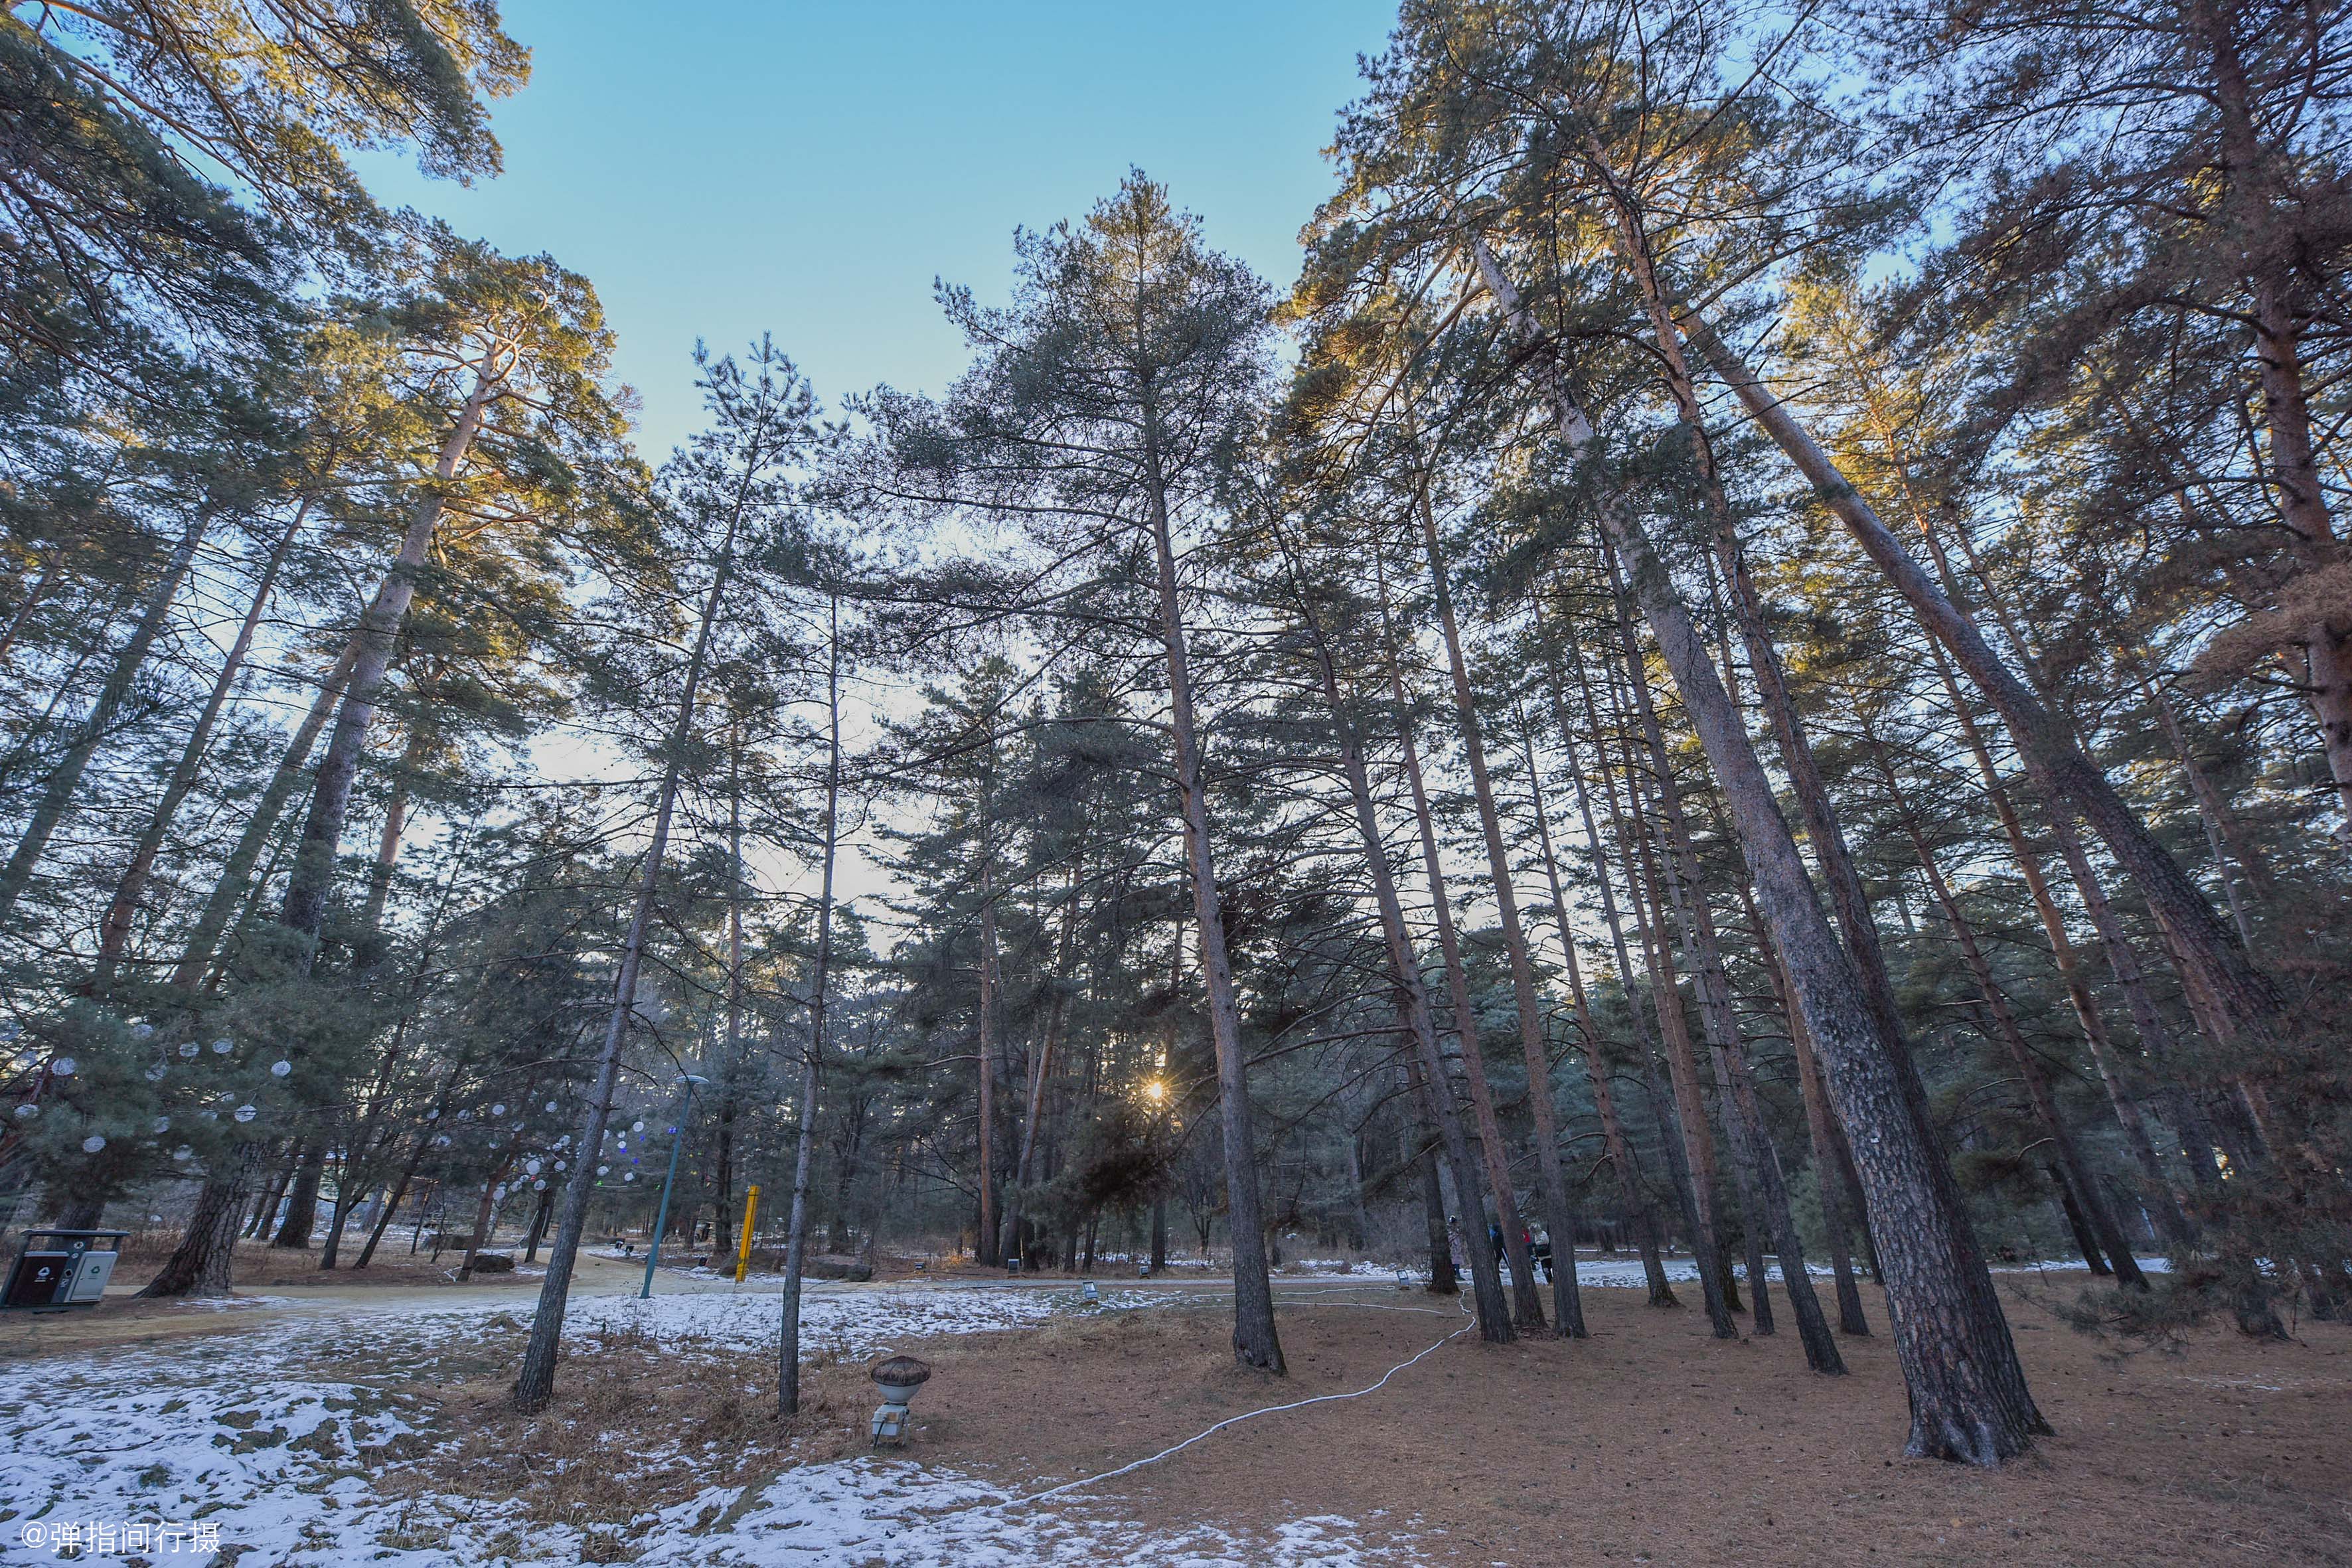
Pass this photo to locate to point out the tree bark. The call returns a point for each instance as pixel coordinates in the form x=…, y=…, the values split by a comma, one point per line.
x=1412, y=997
x=1969, y=1395
x=304, y=908
x=114, y=927
x=535, y=1382
x=1560, y=1219
x=1604, y=1096
x=200, y=1265
x=2250, y=1001
x=98, y=721
x=788, y=1343
x=235, y=873
x=1256, y=1342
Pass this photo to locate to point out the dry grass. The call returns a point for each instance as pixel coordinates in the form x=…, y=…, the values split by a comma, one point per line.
x=637, y=1422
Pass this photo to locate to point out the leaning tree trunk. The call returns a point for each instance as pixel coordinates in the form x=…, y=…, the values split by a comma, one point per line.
x=1487, y=1284
x=1559, y=1219
x=2070, y=971
x=305, y=908
x=2233, y=856
x=1764, y=1194
x=1526, y=1299
x=2250, y=1002
x=1969, y=1400
x=1604, y=1096
x=98, y=722
x=1848, y=899
x=1683, y=1145
x=1256, y=1342
x=114, y=927
x=260, y=827
x=1644, y=891
x=1827, y=1177
x=200, y=1264
x=534, y=1385
x=2030, y=1074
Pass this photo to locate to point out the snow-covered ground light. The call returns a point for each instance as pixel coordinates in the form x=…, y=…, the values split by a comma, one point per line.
x=230, y=1450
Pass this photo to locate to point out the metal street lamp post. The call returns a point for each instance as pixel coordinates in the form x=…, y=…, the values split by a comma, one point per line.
x=676, y=1142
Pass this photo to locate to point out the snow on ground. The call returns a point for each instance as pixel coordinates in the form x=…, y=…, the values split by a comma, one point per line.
x=175, y=1451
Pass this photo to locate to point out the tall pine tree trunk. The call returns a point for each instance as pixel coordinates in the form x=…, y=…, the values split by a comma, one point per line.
x=2248, y=999
x=114, y=927
x=1412, y=995
x=1560, y=1219
x=98, y=721
x=1494, y=1149
x=260, y=827
x=1256, y=1342
x=1596, y=1069
x=304, y=912
x=534, y=1385
x=1969, y=1395
x=1682, y=1145
x=788, y=1343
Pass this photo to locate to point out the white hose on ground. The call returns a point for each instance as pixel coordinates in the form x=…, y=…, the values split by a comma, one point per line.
x=1236, y=1420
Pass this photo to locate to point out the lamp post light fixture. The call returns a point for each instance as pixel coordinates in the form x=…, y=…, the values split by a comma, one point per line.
x=686, y=1081
x=899, y=1377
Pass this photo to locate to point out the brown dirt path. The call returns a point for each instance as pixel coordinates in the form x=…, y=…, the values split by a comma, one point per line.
x=1653, y=1442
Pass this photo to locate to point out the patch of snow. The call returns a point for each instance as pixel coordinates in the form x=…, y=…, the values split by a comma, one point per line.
x=898, y=1515
x=235, y=1432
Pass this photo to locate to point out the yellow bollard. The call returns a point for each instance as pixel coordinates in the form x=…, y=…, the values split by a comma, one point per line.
x=743, y=1253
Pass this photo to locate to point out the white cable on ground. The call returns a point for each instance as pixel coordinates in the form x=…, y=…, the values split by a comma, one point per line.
x=1233, y=1421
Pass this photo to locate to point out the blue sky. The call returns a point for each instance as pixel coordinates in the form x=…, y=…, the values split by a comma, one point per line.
x=722, y=167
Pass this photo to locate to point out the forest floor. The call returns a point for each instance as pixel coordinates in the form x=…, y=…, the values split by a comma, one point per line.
x=320, y=1426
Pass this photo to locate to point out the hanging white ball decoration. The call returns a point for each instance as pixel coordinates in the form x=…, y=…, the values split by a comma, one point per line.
x=223, y=1047
x=530, y=1167
x=26, y=1112
x=498, y=1110
x=551, y=1107
x=141, y=1031
x=636, y=1127
x=630, y=1176
x=434, y=1114
x=92, y=1144
x=246, y=1114
x=182, y=1152
x=190, y=1049
x=155, y=1073
x=559, y=1164
x=280, y=1068
x=540, y=1185
x=163, y=1124
x=602, y=1169
x=63, y=1066
x=442, y=1141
